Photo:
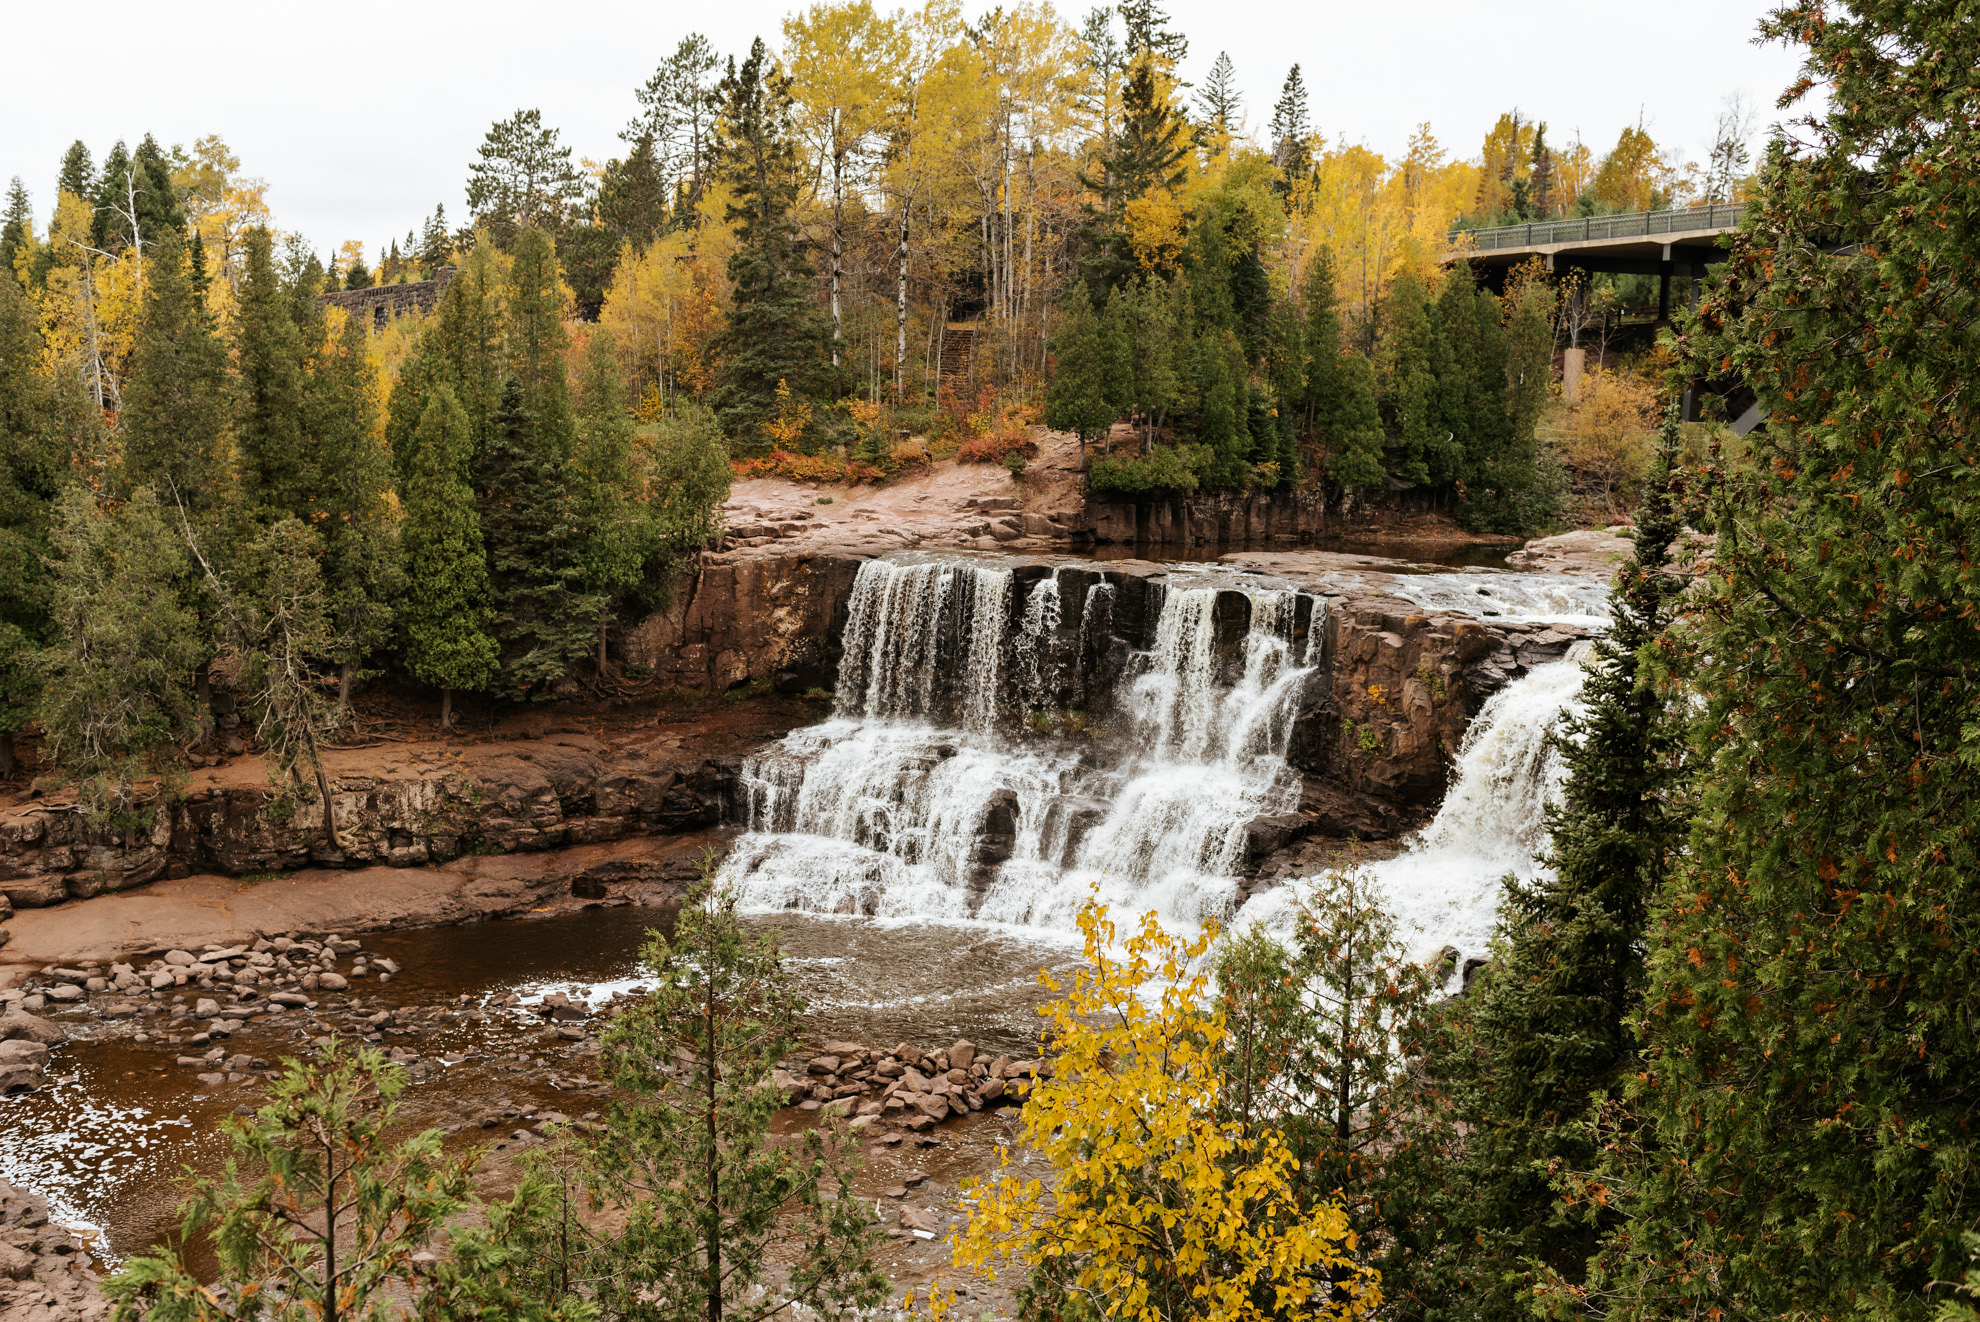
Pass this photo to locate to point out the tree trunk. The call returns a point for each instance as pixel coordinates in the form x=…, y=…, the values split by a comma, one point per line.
x=838, y=238
x=8, y=763
x=203, y=695
x=901, y=306
x=446, y=710
x=344, y=685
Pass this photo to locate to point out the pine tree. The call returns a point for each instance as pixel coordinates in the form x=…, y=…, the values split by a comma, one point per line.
x=529, y=523
x=1147, y=29
x=277, y=464
x=361, y=570
x=356, y=276
x=1808, y=1032
x=688, y=478
x=1510, y=485
x=157, y=201
x=109, y=229
x=178, y=399
x=436, y=246
x=1417, y=362
x=523, y=177
x=618, y=528
x=634, y=197
x=1548, y=1026
x=467, y=333
x=1219, y=102
x=1291, y=131
x=17, y=232
x=689, y=1158
x=774, y=334
x=447, y=613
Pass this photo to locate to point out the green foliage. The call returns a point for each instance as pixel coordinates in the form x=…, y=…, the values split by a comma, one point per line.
x=446, y=613
x=319, y=1212
x=775, y=334
x=362, y=572
x=38, y=444
x=177, y=401
x=686, y=1156
x=688, y=478
x=536, y=342
x=1168, y=470
x=277, y=470
x=118, y=677
x=1080, y=397
x=1808, y=1033
x=522, y=178
x=618, y=526
x=1548, y=1025
x=543, y=617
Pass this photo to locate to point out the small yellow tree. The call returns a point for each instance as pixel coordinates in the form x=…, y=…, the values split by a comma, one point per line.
x=1157, y=1211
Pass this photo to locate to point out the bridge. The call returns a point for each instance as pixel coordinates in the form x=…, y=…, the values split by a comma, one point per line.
x=1681, y=241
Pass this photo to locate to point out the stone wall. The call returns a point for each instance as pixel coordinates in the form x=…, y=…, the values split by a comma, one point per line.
x=1258, y=519
x=381, y=303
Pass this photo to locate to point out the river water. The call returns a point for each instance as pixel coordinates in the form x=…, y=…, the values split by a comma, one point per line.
x=922, y=853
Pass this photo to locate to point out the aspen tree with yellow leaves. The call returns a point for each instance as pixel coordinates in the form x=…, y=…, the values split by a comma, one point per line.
x=1157, y=1209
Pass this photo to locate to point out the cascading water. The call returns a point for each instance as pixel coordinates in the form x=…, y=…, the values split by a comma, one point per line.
x=1538, y=597
x=910, y=804
x=1445, y=889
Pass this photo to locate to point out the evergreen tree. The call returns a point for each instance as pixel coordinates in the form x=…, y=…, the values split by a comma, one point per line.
x=775, y=334
x=1422, y=453
x=1219, y=103
x=536, y=342
x=1078, y=397
x=1548, y=1026
x=277, y=465
x=689, y=480
x=118, y=678
x=1291, y=131
x=37, y=448
x=17, y=232
x=617, y=526
x=523, y=177
x=1147, y=29
x=1511, y=487
x=322, y=1214
x=361, y=569
x=467, y=334
x=529, y=524
x=423, y=372
x=447, y=614
x=109, y=230
x=356, y=276
x=688, y=1155
x=436, y=247
x=634, y=198
x=333, y=280
x=1338, y=387
x=1809, y=1039
x=1142, y=372
x=78, y=176
x=157, y=201
x=177, y=401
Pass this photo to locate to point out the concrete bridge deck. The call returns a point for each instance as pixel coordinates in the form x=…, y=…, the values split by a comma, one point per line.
x=1680, y=242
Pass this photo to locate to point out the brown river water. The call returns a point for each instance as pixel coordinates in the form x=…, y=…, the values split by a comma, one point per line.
x=108, y=1140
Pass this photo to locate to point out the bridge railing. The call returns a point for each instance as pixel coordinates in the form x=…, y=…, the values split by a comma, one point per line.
x=1634, y=224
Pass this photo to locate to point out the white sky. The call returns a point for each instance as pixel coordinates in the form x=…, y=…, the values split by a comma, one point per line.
x=362, y=115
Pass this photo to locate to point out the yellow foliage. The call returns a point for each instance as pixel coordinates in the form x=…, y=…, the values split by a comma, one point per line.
x=1156, y=1210
x=1155, y=227
x=786, y=430
x=1605, y=440
x=663, y=308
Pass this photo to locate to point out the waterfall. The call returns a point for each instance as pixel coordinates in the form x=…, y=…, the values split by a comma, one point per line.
x=1444, y=889
x=925, y=798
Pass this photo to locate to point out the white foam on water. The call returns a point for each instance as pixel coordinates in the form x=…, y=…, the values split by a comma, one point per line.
x=1541, y=598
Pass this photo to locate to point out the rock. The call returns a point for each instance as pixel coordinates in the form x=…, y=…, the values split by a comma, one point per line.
x=332, y=981
x=22, y=1051
x=17, y=1024
x=213, y=1080
x=180, y=958
x=962, y=1054
x=920, y=1218
x=206, y=1009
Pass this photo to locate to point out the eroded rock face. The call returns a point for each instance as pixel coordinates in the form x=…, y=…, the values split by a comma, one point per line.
x=489, y=799
x=749, y=617
x=45, y=1276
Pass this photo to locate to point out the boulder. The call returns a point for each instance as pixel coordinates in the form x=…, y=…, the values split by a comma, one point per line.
x=17, y=1024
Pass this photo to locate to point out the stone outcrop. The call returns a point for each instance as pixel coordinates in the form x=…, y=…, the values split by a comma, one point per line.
x=45, y=1274
x=749, y=617
x=422, y=809
x=1255, y=519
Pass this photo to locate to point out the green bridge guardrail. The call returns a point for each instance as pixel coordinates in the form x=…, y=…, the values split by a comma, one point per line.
x=1634, y=224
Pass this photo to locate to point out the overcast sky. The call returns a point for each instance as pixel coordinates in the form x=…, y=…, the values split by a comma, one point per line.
x=363, y=115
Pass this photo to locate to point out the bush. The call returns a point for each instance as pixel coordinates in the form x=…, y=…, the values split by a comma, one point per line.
x=1170, y=470
x=1015, y=462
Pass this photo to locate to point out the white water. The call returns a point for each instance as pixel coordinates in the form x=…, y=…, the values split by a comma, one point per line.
x=1444, y=889
x=880, y=812
x=1496, y=594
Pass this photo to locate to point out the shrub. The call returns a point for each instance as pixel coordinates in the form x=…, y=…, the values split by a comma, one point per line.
x=1170, y=469
x=1015, y=462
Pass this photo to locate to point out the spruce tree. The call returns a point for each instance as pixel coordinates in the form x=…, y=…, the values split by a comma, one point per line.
x=1810, y=1042
x=1219, y=102
x=1077, y=398
x=436, y=246
x=356, y=276
x=1338, y=403
x=157, y=201
x=447, y=612
x=277, y=465
x=775, y=334
x=77, y=176
x=109, y=229
x=1547, y=1030
x=1422, y=452
x=37, y=448
x=361, y=569
x=17, y=232
x=536, y=341
x=1291, y=129
x=617, y=525
x=467, y=332
x=178, y=399
x=544, y=618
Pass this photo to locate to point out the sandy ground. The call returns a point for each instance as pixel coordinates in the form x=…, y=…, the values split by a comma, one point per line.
x=952, y=504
